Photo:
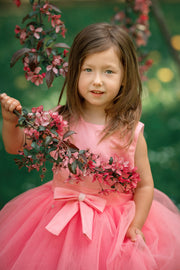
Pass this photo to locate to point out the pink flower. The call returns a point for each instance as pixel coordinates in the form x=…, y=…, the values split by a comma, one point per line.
x=65, y=52
x=36, y=31
x=56, y=22
x=63, y=71
x=63, y=31
x=37, y=79
x=23, y=35
x=34, y=76
x=57, y=61
x=37, y=109
x=17, y=2
x=45, y=9
x=31, y=132
x=17, y=29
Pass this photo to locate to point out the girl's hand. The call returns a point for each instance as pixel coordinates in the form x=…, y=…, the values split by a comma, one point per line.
x=8, y=105
x=132, y=233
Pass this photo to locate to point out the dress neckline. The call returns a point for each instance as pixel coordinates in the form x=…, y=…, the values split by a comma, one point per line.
x=91, y=124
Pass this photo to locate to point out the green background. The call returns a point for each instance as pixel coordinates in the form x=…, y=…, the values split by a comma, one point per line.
x=161, y=113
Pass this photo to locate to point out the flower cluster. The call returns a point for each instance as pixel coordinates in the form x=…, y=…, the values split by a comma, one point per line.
x=47, y=140
x=40, y=50
x=135, y=20
x=17, y=3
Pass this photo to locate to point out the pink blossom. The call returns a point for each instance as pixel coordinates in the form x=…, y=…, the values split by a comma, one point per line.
x=63, y=71
x=56, y=22
x=57, y=61
x=45, y=9
x=36, y=31
x=31, y=132
x=17, y=29
x=63, y=31
x=65, y=52
x=37, y=109
x=17, y=2
x=23, y=35
x=42, y=119
x=37, y=79
x=34, y=76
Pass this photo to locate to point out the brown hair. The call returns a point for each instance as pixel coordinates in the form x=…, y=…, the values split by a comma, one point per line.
x=125, y=110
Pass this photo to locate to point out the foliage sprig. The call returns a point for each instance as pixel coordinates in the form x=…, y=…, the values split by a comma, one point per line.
x=48, y=140
x=42, y=56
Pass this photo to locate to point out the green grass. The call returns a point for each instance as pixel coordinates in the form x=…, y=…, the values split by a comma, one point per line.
x=161, y=112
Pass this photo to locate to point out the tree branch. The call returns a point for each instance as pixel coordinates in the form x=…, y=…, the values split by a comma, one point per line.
x=159, y=16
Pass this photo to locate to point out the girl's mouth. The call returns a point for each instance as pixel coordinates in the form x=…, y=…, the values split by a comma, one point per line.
x=97, y=92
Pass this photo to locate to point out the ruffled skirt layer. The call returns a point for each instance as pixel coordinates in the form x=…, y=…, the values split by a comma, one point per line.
x=30, y=238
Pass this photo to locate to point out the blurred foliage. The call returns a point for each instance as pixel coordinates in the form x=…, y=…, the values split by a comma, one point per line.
x=161, y=113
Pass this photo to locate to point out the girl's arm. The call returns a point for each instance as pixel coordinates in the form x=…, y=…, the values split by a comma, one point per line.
x=13, y=137
x=144, y=192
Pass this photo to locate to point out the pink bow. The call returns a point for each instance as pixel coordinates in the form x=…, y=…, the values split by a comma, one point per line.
x=75, y=201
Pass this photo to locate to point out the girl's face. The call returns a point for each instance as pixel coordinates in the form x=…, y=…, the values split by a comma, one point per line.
x=100, y=78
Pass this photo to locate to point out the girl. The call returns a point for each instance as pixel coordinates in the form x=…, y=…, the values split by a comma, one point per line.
x=68, y=225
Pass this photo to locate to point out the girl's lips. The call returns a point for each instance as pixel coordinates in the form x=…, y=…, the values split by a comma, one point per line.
x=97, y=92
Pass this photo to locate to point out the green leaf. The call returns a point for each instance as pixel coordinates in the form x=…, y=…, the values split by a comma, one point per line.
x=82, y=152
x=72, y=167
x=31, y=2
x=110, y=161
x=26, y=152
x=35, y=146
x=80, y=165
x=24, y=111
x=50, y=41
x=33, y=13
x=54, y=132
x=48, y=139
x=17, y=55
x=41, y=128
x=68, y=133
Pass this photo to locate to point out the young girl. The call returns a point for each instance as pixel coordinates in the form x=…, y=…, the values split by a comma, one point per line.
x=68, y=225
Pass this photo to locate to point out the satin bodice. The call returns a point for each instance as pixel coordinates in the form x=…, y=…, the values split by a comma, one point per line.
x=88, y=136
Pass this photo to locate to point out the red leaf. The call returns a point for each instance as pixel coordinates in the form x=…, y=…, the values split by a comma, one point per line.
x=49, y=78
x=54, y=8
x=61, y=45
x=17, y=55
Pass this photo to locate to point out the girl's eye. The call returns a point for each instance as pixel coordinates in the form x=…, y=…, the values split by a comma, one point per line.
x=88, y=69
x=109, y=71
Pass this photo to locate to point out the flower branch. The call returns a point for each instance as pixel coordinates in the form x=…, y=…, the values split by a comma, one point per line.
x=49, y=137
x=40, y=47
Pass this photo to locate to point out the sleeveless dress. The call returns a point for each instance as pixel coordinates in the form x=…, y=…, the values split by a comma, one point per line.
x=69, y=226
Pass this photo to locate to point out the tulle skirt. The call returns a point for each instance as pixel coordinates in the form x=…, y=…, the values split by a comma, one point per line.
x=37, y=232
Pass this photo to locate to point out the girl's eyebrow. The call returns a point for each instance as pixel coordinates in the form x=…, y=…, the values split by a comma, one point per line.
x=104, y=66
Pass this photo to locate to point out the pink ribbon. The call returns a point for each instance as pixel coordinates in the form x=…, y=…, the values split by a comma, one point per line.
x=76, y=201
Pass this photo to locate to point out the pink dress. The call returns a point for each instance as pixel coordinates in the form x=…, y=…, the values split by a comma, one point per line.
x=66, y=226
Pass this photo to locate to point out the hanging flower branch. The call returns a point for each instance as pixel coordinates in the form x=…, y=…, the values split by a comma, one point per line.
x=42, y=57
x=135, y=20
x=47, y=140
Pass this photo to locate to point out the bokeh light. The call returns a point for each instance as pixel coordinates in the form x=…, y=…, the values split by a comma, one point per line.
x=154, y=85
x=175, y=42
x=21, y=82
x=165, y=75
x=155, y=56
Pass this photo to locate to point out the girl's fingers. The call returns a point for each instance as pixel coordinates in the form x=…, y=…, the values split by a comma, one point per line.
x=9, y=103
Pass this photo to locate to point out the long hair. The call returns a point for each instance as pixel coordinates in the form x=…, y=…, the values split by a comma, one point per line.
x=125, y=110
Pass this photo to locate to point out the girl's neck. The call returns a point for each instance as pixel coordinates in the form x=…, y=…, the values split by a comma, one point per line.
x=94, y=116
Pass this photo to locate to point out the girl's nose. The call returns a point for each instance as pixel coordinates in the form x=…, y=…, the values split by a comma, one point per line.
x=97, y=80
